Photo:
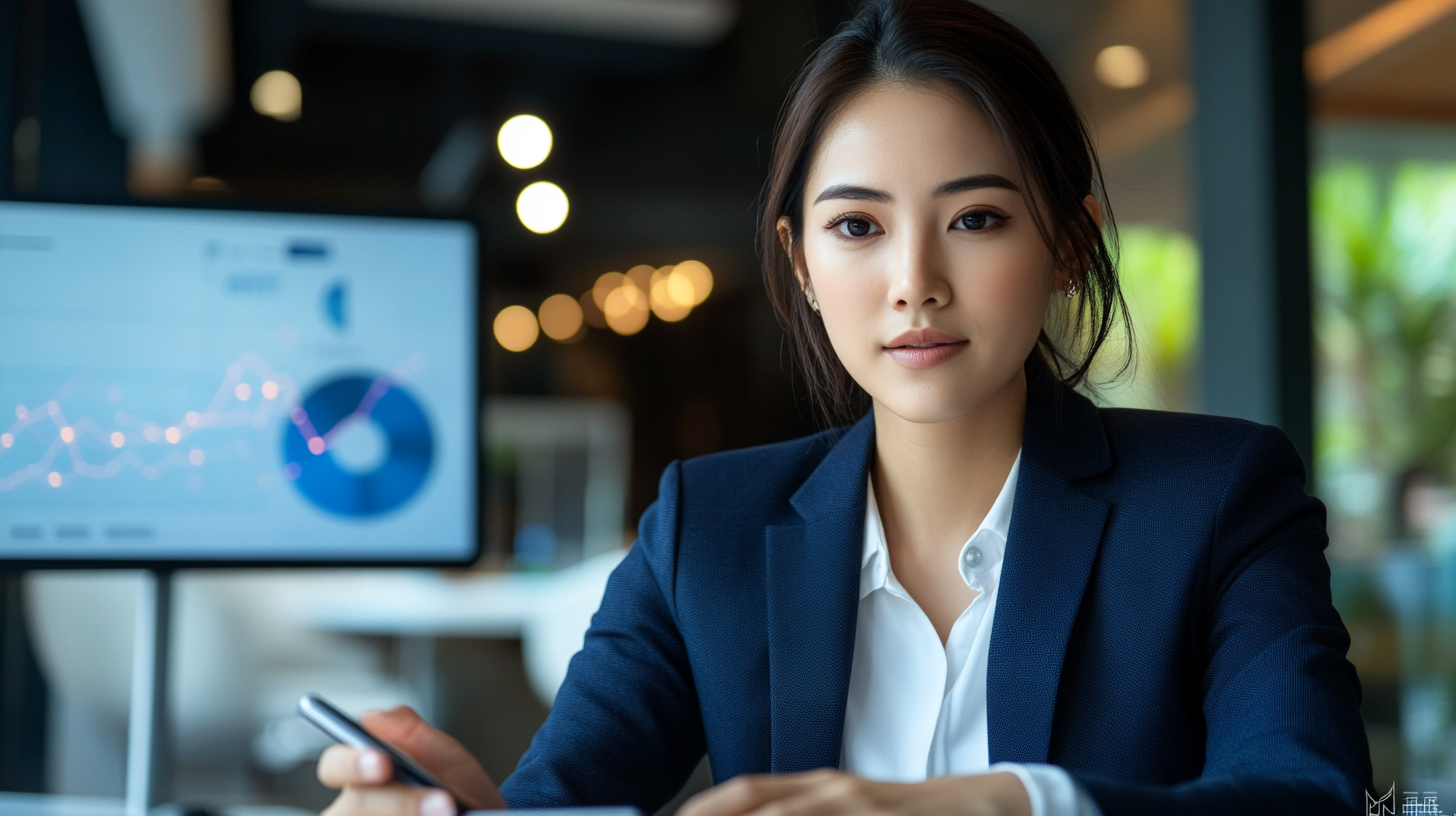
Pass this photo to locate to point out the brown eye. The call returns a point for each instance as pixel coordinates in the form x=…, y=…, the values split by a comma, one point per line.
x=856, y=227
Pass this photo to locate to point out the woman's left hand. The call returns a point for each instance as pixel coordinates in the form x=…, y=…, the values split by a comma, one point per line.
x=832, y=793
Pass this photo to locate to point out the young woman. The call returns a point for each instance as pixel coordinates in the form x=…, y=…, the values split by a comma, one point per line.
x=987, y=595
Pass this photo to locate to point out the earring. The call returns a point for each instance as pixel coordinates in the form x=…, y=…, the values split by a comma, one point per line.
x=814, y=304
x=1071, y=290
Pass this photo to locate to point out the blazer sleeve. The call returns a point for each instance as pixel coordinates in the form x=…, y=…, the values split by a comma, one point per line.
x=625, y=728
x=1281, y=702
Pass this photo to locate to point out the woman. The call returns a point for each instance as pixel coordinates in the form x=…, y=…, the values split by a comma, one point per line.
x=987, y=595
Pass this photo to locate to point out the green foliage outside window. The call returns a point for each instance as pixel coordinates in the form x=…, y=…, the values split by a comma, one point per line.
x=1385, y=316
x=1158, y=268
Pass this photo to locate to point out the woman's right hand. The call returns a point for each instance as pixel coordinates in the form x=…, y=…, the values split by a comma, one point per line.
x=364, y=778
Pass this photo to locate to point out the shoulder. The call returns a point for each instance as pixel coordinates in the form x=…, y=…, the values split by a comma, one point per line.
x=761, y=477
x=1163, y=443
x=1231, y=473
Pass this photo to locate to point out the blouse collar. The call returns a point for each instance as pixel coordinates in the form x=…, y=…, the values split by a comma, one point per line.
x=978, y=558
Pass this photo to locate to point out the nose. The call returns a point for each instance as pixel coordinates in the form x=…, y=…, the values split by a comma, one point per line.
x=917, y=276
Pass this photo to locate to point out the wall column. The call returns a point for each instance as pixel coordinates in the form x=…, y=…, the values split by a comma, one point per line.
x=1251, y=137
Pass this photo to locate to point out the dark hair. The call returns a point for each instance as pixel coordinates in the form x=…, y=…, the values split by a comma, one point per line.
x=999, y=69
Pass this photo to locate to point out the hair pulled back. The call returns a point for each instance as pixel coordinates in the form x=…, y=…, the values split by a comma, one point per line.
x=996, y=67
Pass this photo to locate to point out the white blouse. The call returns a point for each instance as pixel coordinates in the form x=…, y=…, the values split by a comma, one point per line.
x=917, y=709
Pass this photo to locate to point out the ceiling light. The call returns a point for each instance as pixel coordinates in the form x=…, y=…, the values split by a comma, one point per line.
x=542, y=207
x=524, y=141
x=1121, y=66
x=278, y=94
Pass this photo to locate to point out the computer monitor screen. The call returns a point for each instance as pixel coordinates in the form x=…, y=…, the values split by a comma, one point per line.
x=206, y=386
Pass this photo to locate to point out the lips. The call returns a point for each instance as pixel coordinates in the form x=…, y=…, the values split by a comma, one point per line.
x=924, y=348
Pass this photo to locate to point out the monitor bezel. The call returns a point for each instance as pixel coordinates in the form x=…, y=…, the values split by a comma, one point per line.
x=480, y=352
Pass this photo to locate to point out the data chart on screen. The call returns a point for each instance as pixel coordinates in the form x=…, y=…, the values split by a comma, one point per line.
x=200, y=385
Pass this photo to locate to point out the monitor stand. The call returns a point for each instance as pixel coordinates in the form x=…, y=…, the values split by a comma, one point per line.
x=147, y=727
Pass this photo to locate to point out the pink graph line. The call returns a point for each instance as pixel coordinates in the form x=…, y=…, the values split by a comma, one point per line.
x=220, y=412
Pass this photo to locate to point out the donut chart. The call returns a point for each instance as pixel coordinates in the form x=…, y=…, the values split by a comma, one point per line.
x=321, y=478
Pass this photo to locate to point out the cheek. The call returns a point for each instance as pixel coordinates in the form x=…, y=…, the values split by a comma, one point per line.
x=850, y=288
x=1007, y=291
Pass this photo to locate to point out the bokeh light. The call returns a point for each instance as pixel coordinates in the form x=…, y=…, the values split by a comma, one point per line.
x=641, y=276
x=243, y=392
x=542, y=207
x=117, y=439
x=626, y=309
x=561, y=317
x=174, y=435
x=664, y=305
x=591, y=312
x=278, y=94
x=604, y=286
x=68, y=435
x=700, y=276
x=54, y=479
x=516, y=328
x=270, y=390
x=524, y=141
x=1121, y=66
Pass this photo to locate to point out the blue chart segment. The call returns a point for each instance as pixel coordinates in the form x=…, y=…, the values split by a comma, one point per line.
x=324, y=481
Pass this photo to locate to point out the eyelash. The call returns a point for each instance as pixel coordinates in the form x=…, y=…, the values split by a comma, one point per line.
x=840, y=220
x=991, y=220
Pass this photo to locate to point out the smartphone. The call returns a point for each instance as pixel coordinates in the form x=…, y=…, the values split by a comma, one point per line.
x=348, y=731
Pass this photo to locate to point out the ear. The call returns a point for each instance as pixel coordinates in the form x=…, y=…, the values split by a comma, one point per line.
x=1094, y=209
x=801, y=272
x=1066, y=275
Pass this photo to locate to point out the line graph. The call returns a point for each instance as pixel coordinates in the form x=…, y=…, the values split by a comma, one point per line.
x=250, y=396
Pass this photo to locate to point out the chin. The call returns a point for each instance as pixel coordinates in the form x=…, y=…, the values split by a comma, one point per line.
x=928, y=406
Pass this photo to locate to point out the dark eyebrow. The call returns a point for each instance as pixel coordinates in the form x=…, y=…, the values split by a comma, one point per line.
x=960, y=185
x=852, y=192
x=980, y=182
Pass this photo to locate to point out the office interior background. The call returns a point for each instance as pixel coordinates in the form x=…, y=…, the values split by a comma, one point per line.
x=1283, y=175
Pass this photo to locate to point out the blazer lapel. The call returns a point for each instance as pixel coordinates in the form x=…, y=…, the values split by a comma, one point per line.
x=1053, y=542
x=813, y=605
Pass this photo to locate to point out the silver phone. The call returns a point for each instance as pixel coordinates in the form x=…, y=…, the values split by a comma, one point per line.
x=347, y=730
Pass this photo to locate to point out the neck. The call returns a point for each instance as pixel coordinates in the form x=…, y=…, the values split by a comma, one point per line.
x=935, y=482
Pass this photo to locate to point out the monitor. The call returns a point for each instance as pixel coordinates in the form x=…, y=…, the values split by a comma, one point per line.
x=208, y=387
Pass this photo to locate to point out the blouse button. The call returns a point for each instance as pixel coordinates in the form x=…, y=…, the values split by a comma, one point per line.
x=973, y=556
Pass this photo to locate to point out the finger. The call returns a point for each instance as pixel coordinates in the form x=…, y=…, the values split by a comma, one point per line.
x=840, y=795
x=743, y=794
x=342, y=766
x=392, y=800
x=438, y=752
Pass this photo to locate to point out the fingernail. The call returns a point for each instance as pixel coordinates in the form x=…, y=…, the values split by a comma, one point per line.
x=438, y=803
x=371, y=765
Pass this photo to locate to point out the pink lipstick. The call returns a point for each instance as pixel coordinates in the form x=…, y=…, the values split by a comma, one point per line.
x=924, y=348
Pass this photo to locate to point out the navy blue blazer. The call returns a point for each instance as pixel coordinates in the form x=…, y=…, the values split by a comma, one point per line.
x=1163, y=630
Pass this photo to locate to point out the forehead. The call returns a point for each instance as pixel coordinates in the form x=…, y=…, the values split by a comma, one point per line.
x=898, y=135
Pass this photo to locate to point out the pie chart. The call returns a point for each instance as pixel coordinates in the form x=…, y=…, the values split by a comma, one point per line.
x=358, y=445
